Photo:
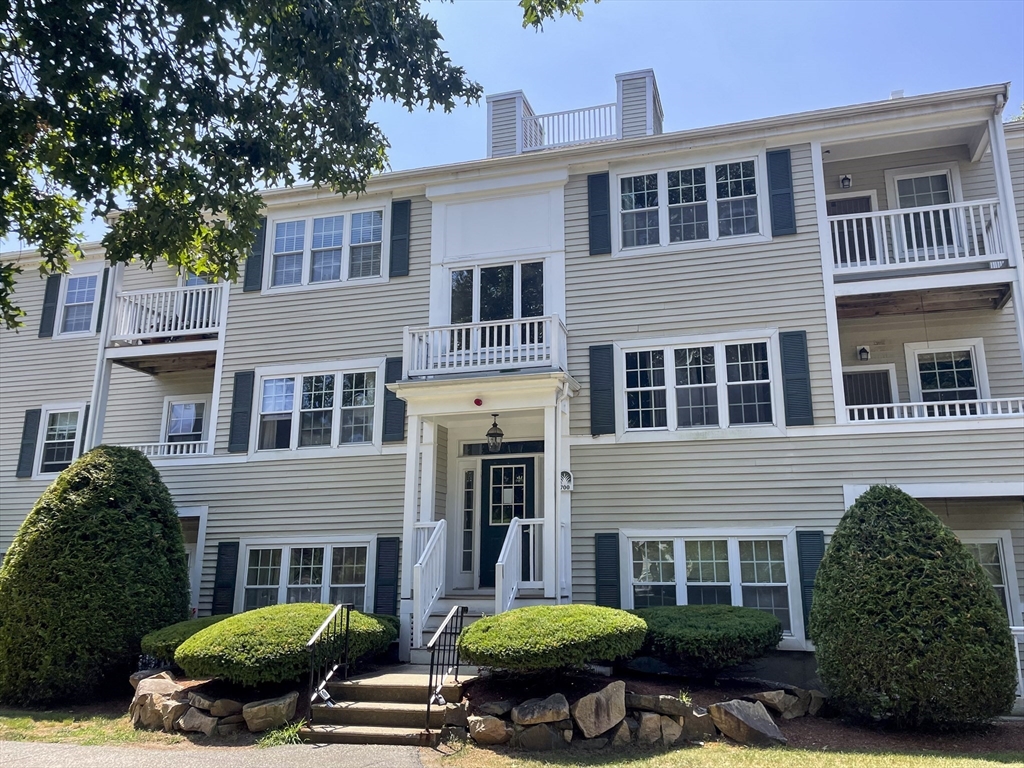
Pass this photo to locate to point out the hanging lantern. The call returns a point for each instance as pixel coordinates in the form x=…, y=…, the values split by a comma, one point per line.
x=494, y=436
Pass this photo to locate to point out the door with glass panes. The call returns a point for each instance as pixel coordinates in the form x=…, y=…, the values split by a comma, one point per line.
x=493, y=299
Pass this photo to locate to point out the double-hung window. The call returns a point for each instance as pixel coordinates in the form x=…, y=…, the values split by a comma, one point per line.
x=948, y=372
x=78, y=301
x=306, y=573
x=700, y=386
x=690, y=204
x=327, y=249
x=60, y=435
x=316, y=410
x=186, y=421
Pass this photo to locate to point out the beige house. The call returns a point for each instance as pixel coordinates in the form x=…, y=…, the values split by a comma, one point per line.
x=699, y=347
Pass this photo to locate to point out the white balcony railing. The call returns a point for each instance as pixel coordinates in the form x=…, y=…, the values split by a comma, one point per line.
x=156, y=450
x=534, y=342
x=519, y=565
x=428, y=580
x=168, y=312
x=574, y=126
x=933, y=236
x=959, y=409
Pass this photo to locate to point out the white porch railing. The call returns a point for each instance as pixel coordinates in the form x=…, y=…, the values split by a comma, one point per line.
x=574, y=126
x=534, y=342
x=428, y=580
x=956, y=409
x=932, y=236
x=1018, y=636
x=167, y=312
x=519, y=563
x=155, y=450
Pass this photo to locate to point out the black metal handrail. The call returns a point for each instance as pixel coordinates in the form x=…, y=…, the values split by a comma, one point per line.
x=444, y=656
x=328, y=652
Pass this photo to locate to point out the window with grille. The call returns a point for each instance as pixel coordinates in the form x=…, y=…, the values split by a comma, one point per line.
x=654, y=573
x=79, y=298
x=60, y=441
x=323, y=250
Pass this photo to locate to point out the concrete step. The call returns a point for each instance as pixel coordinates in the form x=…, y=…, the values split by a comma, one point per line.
x=405, y=683
x=325, y=733
x=385, y=714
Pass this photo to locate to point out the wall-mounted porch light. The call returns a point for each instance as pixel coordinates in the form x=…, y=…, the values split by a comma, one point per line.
x=846, y=181
x=494, y=436
x=863, y=353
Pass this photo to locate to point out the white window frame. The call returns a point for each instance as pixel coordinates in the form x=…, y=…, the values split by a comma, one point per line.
x=892, y=175
x=338, y=369
x=869, y=368
x=662, y=169
x=672, y=431
x=1004, y=540
x=977, y=348
x=78, y=270
x=327, y=543
x=172, y=400
x=517, y=285
x=44, y=419
x=791, y=640
x=308, y=215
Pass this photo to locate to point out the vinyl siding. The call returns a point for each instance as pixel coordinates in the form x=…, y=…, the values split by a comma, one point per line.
x=135, y=405
x=634, y=108
x=1016, y=158
x=772, y=482
x=688, y=293
x=886, y=336
x=503, y=127
x=440, y=472
x=34, y=372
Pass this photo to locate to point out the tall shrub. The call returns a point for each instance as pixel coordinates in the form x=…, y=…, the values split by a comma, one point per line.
x=906, y=624
x=98, y=563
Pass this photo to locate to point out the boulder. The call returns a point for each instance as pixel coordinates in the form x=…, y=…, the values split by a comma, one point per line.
x=454, y=733
x=270, y=713
x=650, y=729
x=776, y=701
x=230, y=719
x=537, y=711
x=818, y=700
x=457, y=714
x=150, y=695
x=747, y=723
x=200, y=700
x=488, y=730
x=663, y=705
x=797, y=708
x=594, y=744
x=496, y=708
x=540, y=738
x=623, y=735
x=567, y=734
x=698, y=726
x=194, y=720
x=671, y=730
x=170, y=712
x=163, y=684
x=601, y=711
x=225, y=708
x=138, y=677
x=229, y=729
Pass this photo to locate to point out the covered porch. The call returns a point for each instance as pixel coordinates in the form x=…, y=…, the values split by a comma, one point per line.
x=484, y=525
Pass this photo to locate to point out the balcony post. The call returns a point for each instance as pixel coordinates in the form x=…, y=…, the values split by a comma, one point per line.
x=427, y=472
x=550, y=525
x=1008, y=216
x=412, y=467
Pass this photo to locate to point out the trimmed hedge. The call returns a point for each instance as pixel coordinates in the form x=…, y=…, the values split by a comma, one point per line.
x=708, y=638
x=547, y=637
x=98, y=563
x=268, y=645
x=164, y=642
x=906, y=624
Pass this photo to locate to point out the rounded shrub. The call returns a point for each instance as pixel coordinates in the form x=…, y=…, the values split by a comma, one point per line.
x=164, y=642
x=98, y=563
x=907, y=627
x=704, y=639
x=548, y=637
x=268, y=645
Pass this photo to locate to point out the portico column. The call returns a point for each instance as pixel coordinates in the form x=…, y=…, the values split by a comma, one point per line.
x=428, y=452
x=550, y=529
x=412, y=468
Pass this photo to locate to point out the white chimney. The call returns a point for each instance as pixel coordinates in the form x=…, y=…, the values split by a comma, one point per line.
x=505, y=113
x=639, y=105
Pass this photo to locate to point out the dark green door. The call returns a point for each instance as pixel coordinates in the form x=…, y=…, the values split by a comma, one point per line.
x=506, y=491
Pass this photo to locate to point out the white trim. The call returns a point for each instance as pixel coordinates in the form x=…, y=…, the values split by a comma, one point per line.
x=976, y=347
x=170, y=400
x=924, y=282
x=44, y=417
x=195, y=577
x=890, y=367
x=951, y=169
x=1004, y=540
x=80, y=269
x=980, y=490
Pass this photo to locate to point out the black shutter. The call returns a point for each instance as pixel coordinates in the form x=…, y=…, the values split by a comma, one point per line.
x=394, y=406
x=241, y=412
x=400, y=215
x=385, y=590
x=810, y=548
x=254, y=264
x=224, y=577
x=50, y=298
x=780, y=191
x=84, y=429
x=599, y=214
x=103, y=298
x=29, y=435
x=606, y=568
x=796, y=378
x=602, y=389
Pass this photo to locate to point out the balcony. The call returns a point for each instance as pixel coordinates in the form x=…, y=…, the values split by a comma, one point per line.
x=993, y=408
x=170, y=314
x=171, y=450
x=909, y=241
x=502, y=345
x=574, y=126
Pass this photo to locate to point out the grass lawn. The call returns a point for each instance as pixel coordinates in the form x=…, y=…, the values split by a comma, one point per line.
x=713, y=755
x=76, y=726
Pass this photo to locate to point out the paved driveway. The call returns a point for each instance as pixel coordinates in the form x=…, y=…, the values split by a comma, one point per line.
x=25, y=754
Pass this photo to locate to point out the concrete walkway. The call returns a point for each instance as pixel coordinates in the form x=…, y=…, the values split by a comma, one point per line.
x=26, y=754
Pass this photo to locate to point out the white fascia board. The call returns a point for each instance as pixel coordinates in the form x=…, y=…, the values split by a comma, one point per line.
x=499, y=393
x=498, y=186
x=926, y=282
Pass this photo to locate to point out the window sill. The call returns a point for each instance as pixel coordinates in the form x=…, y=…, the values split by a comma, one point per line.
x=699, y=245
x=700, y=435
x=361, y=449
x=73, y=336
x=323, y=286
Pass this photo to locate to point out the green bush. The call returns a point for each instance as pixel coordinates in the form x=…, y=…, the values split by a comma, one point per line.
x=268, y=645
x=705, y=639
x=164, y=642
x=98, y=563
x=551, y=637
x=906, y=624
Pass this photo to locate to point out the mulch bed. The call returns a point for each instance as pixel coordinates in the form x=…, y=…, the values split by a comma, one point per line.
x=812, y=733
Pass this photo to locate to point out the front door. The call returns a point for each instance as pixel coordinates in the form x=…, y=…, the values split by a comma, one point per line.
x=506, y=491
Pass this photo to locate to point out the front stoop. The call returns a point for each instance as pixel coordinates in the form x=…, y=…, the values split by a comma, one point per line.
x=386, y=707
